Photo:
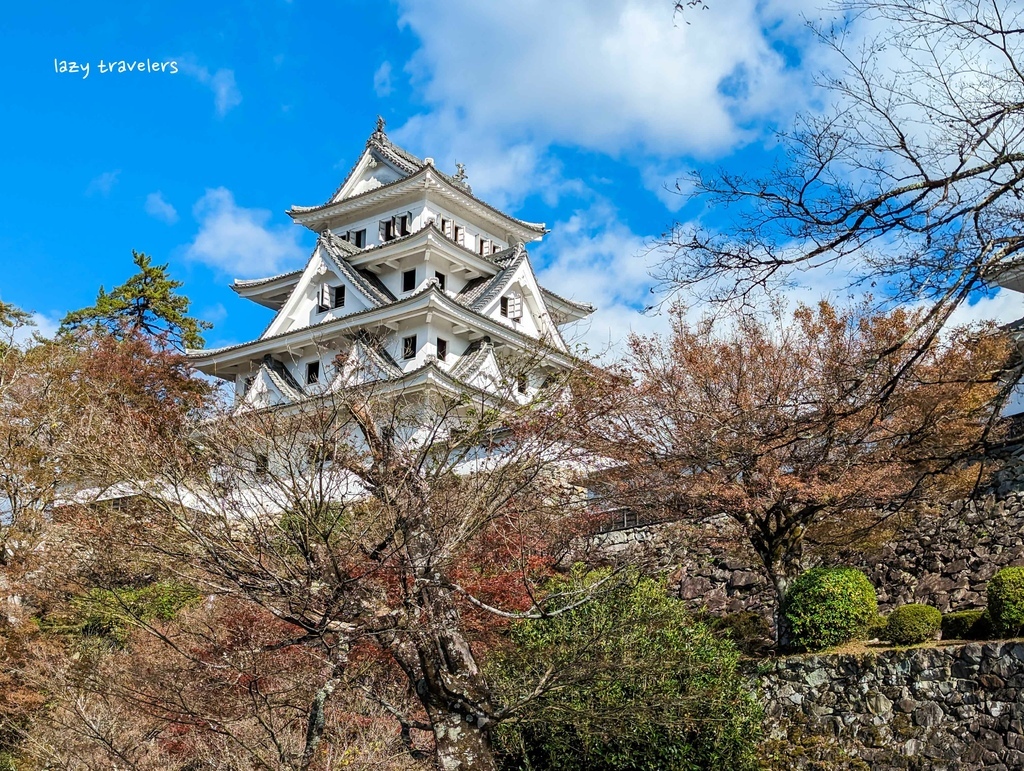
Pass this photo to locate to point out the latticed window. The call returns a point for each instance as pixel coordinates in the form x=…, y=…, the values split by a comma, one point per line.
x=512, y=306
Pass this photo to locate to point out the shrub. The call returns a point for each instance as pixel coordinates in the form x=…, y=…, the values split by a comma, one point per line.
x=749, y=631
x=966, y=625
x=113, y=613
x=914, y=623
x=639, y=684
x=1006, y=601
x=876, y=629
x=828, y=606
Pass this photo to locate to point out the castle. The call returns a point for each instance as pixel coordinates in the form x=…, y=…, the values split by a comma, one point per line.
x=414, y=283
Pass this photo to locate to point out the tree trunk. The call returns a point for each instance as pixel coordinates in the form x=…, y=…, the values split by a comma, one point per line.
x=461, y=746
x=777, y=536
x=781, y=583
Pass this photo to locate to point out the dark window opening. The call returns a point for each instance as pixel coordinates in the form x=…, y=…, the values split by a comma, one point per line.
x=262, y=464
x=485, y=246
x=409, y=347
x=459, y=235
x=409, y=280
x=504, y=307
x=358, y=238
x=319, y=453
x=442, y=349
x=521, y=384
x=442, y=279
x=339, y=297
x=313, y=372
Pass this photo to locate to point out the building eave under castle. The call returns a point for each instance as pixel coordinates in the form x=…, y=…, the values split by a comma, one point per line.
x=229, y=361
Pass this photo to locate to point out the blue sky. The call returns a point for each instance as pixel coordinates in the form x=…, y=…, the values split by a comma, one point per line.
x=576, y=113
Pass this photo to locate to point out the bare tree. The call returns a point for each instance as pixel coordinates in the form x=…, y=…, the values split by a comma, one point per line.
x=784, y=425
x=402, y=527
x=911, y=181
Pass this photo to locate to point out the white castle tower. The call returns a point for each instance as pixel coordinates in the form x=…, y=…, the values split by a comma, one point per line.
x=414, y=283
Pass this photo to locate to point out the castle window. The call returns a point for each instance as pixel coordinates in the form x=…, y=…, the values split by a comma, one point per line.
x=485, y=246
x=356, y=237
x=441, y=279
x=442, y=349
x=339, y=297
x=445, y=226
x=261, y=465
x=323, y=298
x=409, y=280
x=313, y=372
x=512, y=307
x=521, y=383
x=409, y=347
x=459, y=235
x=319, y=453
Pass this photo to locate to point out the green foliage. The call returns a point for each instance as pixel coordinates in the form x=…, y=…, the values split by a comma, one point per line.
x=914, y=623
x=749, y=631
x=113, y=613
x=12, y=316
x=8, y=762
x=966, y=625
x=1006, y=601
x=876, y=629
x=829, y=606
x=635, y=683
x=146, y=303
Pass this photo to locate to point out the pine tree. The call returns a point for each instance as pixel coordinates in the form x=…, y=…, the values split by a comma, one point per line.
x=146, y=303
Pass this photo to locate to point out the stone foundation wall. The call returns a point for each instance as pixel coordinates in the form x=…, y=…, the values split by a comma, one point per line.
x=944, y=560
x=945, y=708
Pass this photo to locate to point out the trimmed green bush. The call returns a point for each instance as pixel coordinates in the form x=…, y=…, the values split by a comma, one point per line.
x=639, y=686
x=876, y=629
x=1006, y=601
x=828, y=606
x=966, y=625
x=912, y=624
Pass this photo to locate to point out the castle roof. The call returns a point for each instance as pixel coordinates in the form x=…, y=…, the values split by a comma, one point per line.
x=415, y=173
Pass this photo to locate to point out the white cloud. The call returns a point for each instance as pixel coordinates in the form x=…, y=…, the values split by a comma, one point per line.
x=669, y=185
x=593, y=257
x=41, y=324
x=157, y=207
x=241, y=241
x=103, y=184
x=226, y=95
x=504, y=84
x=1002, y=307
x=382, y=80
x=606, y=75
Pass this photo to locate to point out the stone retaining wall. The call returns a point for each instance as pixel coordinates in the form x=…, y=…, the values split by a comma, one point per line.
x=944, y=560
x=945, y=708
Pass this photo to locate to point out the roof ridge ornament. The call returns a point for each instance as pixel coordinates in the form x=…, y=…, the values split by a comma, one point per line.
x=461, y=176
x=378, y=133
